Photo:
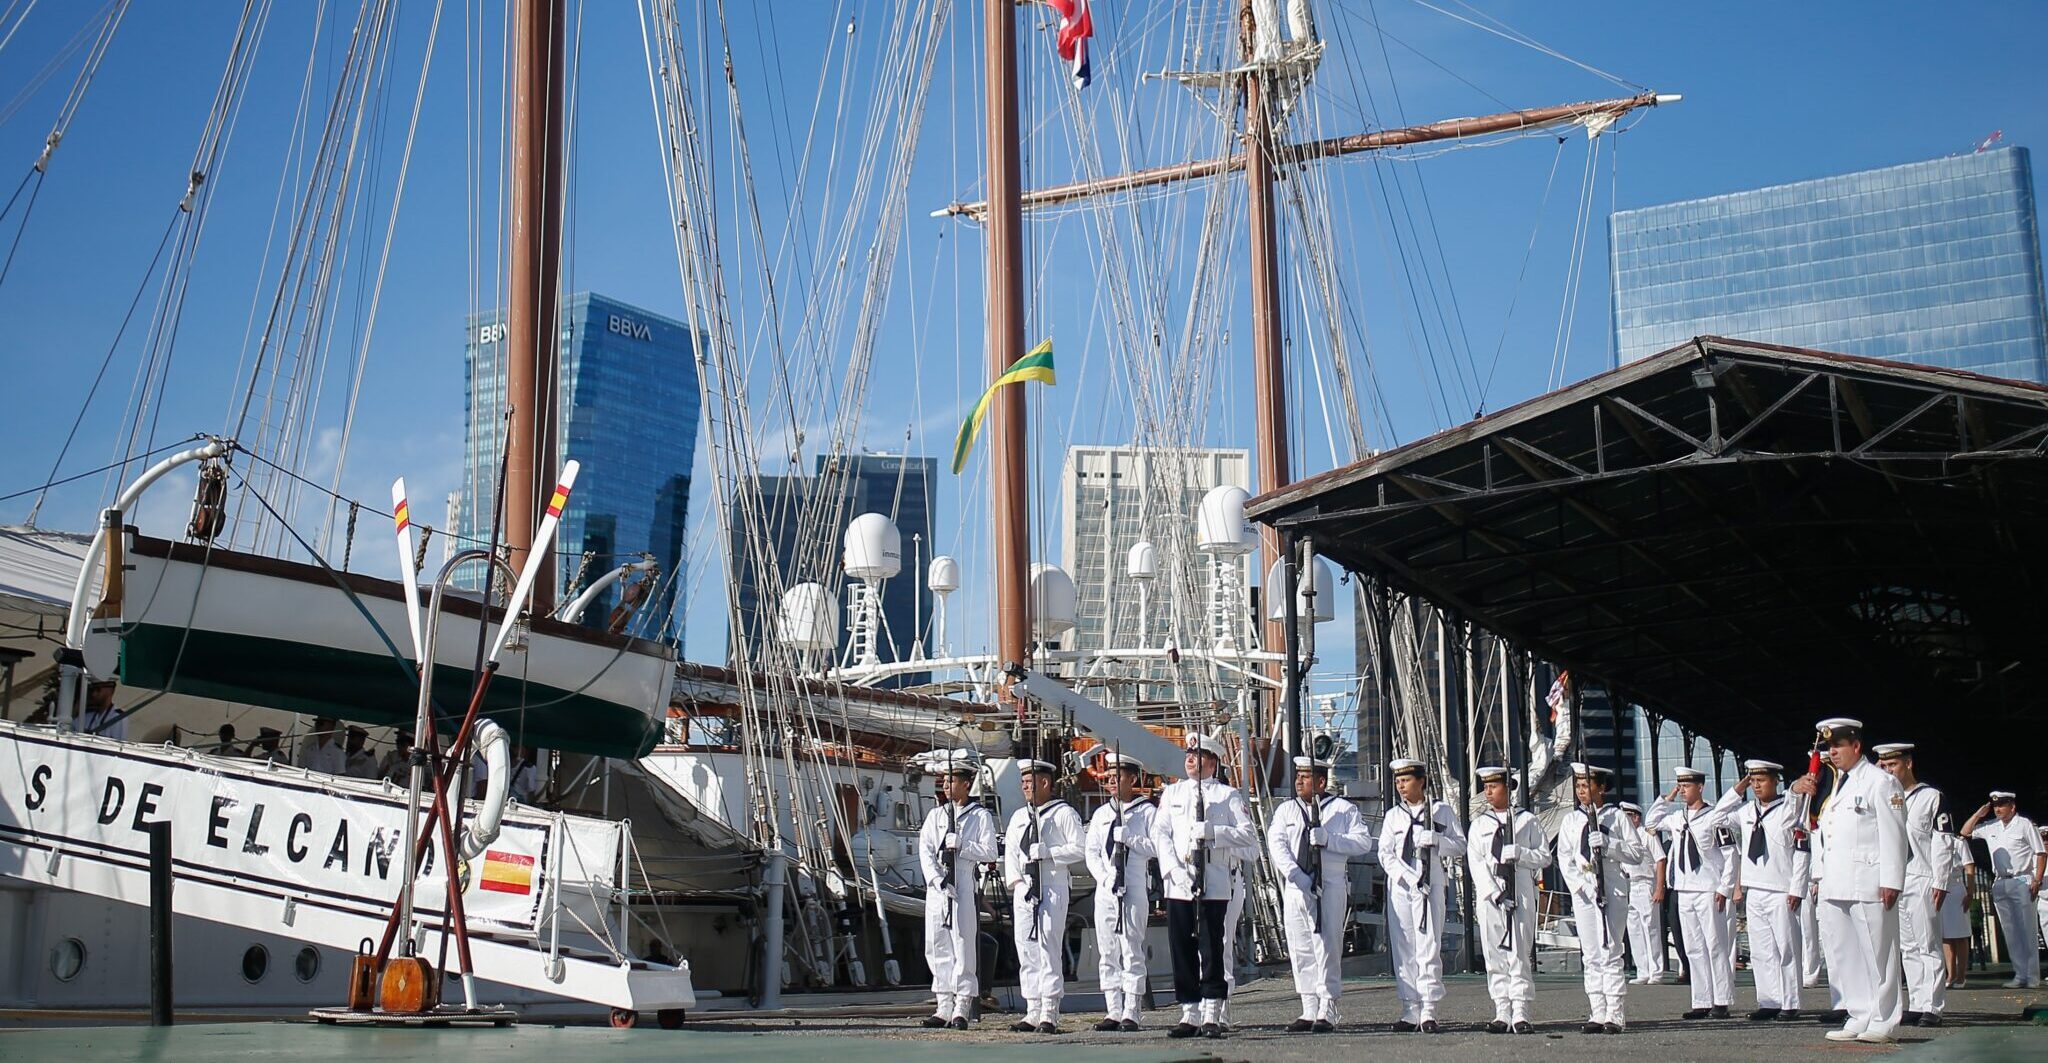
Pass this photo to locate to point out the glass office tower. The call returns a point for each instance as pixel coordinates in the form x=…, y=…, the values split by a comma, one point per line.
x=630, y=406
x=1935, y=262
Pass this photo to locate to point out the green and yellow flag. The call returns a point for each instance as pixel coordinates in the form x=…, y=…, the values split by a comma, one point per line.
x=1034, y=366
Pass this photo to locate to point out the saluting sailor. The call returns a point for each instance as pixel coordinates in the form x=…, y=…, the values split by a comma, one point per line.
x=959, y=835
x=1199, y=824
x=1505, y=852
x=1310, y=839
x=1119, y=846
x=1771, y=880
x=1929, y=862
x=1695, y=867
x=1645, y=902
x=1044, y=837
x=1859, y=854
x=2016, y=865
x=1595, y=841
x=1416, y=839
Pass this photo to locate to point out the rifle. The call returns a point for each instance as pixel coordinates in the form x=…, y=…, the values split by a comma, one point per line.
x=1505, y=899
x=1599, y=872
x=1201, y=854
x=1034, y=870
x=1315, y=852
x=951, y=855
x=1119, y=850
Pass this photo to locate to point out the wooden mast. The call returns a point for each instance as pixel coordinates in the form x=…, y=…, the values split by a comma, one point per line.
x=1005, y=224
x=533, y=318
x=1268, y=373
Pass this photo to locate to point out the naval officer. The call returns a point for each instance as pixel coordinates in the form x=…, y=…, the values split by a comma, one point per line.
x=1505, y=852
x=1772, y=864
x=1043, y=840
x=958, y=836
x=2017, y=860
x=1929, y=862
x=1118, y=848
x=1594, y=843
x=1199, y=824
x=1695, y=863
x=1860, y=857
x=1417, y=839
x=1311, y=840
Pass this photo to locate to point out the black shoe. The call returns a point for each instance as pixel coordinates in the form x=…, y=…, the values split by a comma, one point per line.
x=1523, y=1027
x=1108, y=1026
x=1790, y=1015
x=1404, y=1026
x=934, y=1022
x=1047, y=1027
x=1430, y=1026
x=1832, y=1018
x=1932, y=1018
x=1591, y=1027
x=1612, y=1027
x=1021, y=1026
x=1325, y=1026
x=1911, y=1018
x=1695, y=1014
x=1128, y=1026
x=1212, y=1031
x=1763, y=1014
x=959, y=1022
x=1720, y=1012
x=1183, y=1029
x=1496, y=1026
x=1301, y=1026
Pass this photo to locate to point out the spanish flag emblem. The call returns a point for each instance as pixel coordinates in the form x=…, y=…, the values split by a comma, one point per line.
x=404, y=515
x=507, y=872
x=561, y=499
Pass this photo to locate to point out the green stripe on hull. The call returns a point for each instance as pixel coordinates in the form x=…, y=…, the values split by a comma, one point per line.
x=372, y=689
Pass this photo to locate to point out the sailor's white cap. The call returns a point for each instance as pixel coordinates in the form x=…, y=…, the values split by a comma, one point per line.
x=1892, y=749
x=1591, y=771
x=1114, y=759
x=1311, y=764
x=1039, y=766
x=1631, y=806
x=1839, y=727
x=2004, y=795
x=1772, y=766
x=1490, y=772
x=955, y=762
x=1197, y=741
x=1406, y=766
x=1684, y=774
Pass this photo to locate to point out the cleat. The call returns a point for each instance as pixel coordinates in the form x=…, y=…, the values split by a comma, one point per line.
x=959, y=1022
x=1430, y=1026
x=1695, y=1014
x=1047, y=1027
x=1183, y=1029
x=1404, y=1026
x=1720, y=1012
x=1301, y=1026
x=1790, y=1015
x=1497, y=1026
x=1128, y=1026
x=1764, y=1014
x=1592, y=1027
x=1324, y=1026
x=1212, y=1031
x=1106, y=1025
x=1522, y=1026
x=1023, y=1026
x=934, y=1022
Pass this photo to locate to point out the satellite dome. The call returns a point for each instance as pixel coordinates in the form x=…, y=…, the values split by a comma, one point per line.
x=1053, y=601
x=874, y=548
x=1220, y=526
x=943, y=576
x=1142, y=562
x=809, y=618
x=1319, y=577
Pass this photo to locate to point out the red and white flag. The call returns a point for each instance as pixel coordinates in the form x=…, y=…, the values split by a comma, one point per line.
x=1560, y=689
x=1076, y=26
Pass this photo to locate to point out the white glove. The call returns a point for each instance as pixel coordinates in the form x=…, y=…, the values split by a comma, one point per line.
x=1597, y=841
x=1425, y=838
x=1300, y=880
x=1208, y=830
x=952, y=842
x=1508, y=854
x=1316, y=837
x=1037, y=852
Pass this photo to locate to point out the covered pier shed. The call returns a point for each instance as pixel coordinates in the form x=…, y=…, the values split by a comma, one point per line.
x=1743, y=538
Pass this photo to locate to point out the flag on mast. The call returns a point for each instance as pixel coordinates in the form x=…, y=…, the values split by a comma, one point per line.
x=1036, y=365
x=1077, y=24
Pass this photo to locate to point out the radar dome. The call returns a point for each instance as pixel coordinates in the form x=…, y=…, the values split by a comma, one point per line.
x=943, y=576
x=809, y=618
x=1220, y=526
x=1142, y=562
x=874, y=548
x=1319, y=578
x=1053, y=601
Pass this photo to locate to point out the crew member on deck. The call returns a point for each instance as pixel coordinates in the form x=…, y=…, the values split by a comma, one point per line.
x=1118, y=848
x=1929, y=863
x=1506, y=851
x=1645, y=902
x=1043, y=839
x=100, y=717
x=2017, y=860
x=1860, y=856
x=1595, y=842
x=1772, y=864
x=958, y=836
x=1311, y=839
x=1695, y=865
x=1199, y=823
x=1417, y=839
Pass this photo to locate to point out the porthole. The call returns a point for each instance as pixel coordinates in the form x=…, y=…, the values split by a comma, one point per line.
x=255, y=964
x=307, y=965
x=67, y=959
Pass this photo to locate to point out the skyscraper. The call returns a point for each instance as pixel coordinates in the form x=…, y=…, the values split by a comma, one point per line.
x=629, y=410
x=1935, y=262
x=805, y=518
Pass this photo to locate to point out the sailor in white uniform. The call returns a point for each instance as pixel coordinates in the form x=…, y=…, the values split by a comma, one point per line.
x=1417, y=838
x=1695, y=870
x=2017, y=860
x=1594, y=842
x=959, y=835
x=1645, y=902
x=1310, y=840
x=1929, y=861
x=1860, y=857
x=1772, y=865
x=1044, y=838
x=1119, y=846
x=1506, y=850
x=1200, y=823
x=1955, y=908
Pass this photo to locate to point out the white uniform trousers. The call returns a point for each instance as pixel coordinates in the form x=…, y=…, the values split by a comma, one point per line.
x=1773, y=947
x=2040, y=910
x=1862, y=942
x=1645, y=929
x=1509, y=978
x=2016, y=920
x=1418, y=950
x=1809, y=945
x=1601, y=937
x=1041, y=974
x=950, y=951
x=1232, y=913
x=1120, y=954
x=1318, y=959
x=1707, y=949
x=1926, y=967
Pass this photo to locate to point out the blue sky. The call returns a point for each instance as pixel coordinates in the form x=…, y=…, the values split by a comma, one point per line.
x=1432, y=251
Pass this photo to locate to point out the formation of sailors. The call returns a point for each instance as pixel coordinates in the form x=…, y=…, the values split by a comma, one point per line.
x=1873, y=881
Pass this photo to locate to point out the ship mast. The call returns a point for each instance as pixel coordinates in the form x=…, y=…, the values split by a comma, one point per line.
x=532, y=316
x=1005, y=223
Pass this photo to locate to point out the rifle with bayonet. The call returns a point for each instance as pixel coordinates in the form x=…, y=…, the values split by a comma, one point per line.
x=1119, y=849
x=1033, y=871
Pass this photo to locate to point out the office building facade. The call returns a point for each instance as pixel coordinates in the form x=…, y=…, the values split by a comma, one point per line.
x=629, y=411
x=1936, y=263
